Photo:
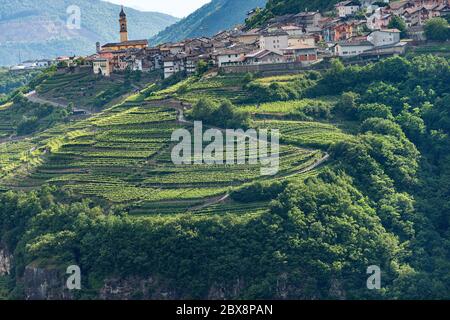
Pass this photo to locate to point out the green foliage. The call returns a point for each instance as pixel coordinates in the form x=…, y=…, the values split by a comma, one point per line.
x=26, y=117
x=10, y=81
x=282, y=7
x=224, y=115
x=398, y=23
x=437, y=29
x=259, y=191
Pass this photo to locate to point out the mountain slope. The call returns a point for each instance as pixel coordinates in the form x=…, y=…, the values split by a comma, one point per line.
x=211, y=18
x=281, y=7
x=38, y=28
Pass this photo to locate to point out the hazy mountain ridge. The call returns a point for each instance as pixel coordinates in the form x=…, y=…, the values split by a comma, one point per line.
x=37, y=29
x=213, y=17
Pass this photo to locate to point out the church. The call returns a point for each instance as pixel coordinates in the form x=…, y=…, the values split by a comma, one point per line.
x=124, y=43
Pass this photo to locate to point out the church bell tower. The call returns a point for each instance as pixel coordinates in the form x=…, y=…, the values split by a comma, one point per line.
x=123, y=26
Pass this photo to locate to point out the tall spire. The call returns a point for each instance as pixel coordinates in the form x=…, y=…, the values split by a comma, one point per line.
x=122, y=13
x=123, y=26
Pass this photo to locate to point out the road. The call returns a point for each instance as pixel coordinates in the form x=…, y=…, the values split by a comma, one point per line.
x=33, y=97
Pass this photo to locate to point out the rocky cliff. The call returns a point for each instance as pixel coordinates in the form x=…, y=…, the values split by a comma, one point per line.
x=5, y=261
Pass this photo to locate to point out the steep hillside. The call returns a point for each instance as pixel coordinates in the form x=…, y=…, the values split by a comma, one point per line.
x=211, y=18
x=37, y=29
x=363, y=181
x=281, y=7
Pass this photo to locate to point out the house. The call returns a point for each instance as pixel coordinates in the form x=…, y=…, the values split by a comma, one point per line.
x=176, y=48
x=416, y=33
x=190, y=63
x=248, y=37
x=337, y=31
x=229, y=56
x=347, y=8
x=44, y=63
x=117, y=46
x=293, y=31
x=301, y=53
x=352, y=48
x=102, y=66
x=384, y=37
x=173, y=65
x=387, y=50
x=308, y=19
x=264, y=56
x=274, y=41
x=379, y=20
x=398, y=7
x=301, y=40
x=29, y=64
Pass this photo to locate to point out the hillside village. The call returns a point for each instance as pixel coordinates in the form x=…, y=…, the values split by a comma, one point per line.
x=294, y=41
x=87, y=175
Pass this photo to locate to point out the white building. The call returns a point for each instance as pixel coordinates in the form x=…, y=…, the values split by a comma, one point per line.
x=301, y=40
x=173, y=65
x=101, y=66
x=264, y=56
x=293, y=31
x=384, y=37
x=351, y=49
x=347, y=8
x=274, y=41
x=229, y=56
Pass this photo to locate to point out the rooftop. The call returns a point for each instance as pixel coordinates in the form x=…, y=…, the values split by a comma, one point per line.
x=126, y=43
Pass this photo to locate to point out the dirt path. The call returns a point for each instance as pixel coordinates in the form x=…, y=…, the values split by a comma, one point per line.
x=33, y=97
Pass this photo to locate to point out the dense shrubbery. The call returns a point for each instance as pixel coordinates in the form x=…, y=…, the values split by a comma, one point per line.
x=281, y=7
x=437, y=29
x=259, y=191
x=28, y=117
x=224, y=115
x=259, y=92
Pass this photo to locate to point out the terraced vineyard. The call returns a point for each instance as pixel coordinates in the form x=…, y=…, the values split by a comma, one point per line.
x=86, y=90
x=193, y=89
x=303, y=133
x=122, y=155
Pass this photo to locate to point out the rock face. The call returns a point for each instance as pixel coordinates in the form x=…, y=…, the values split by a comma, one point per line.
x=134, y=288
x=45, y=284
x=5, y=261
x=154, y=289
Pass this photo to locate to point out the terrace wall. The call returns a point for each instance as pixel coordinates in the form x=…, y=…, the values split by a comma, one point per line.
x=269, y=69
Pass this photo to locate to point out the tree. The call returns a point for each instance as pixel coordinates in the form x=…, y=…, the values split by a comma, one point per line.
x=437, y=29
x=397, y=22
x=202, y=67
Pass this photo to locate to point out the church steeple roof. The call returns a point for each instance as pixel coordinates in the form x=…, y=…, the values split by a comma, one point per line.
x=122, y=13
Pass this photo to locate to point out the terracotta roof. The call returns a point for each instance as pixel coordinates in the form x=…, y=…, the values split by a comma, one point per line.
x=300, y=47
x=126, y=43
x=261, y=54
